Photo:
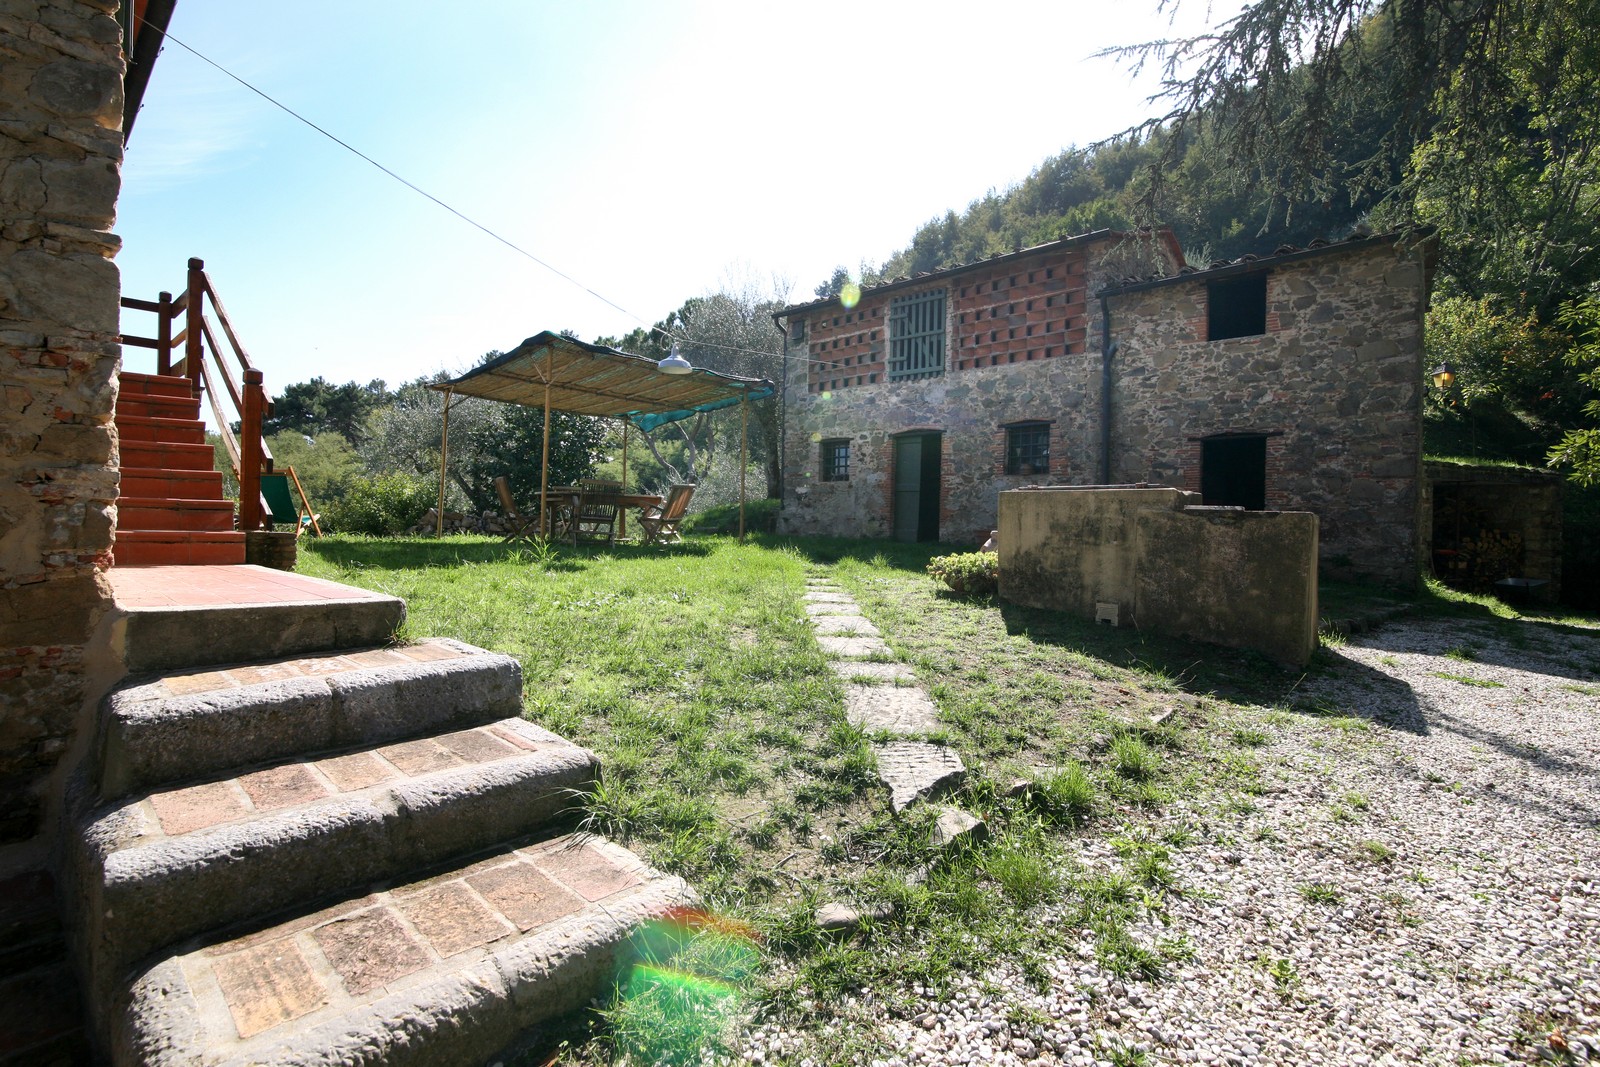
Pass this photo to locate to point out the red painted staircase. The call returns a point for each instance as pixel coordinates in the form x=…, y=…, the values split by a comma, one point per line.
x=170, y=509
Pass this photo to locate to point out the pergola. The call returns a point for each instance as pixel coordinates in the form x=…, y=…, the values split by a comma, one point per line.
x=559, y=373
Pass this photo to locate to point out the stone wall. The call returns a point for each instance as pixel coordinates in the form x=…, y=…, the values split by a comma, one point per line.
x=1482, y=524
x=60, y=150
x=1333, y=386
x=1152, y=559
x=1022, y=338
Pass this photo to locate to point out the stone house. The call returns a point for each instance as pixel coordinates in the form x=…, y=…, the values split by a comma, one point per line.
x=1284, y=382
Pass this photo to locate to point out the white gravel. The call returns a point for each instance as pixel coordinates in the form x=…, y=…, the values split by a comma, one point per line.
x=1476, y=941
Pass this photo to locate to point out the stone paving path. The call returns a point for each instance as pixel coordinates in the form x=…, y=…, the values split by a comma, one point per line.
x=882, y=698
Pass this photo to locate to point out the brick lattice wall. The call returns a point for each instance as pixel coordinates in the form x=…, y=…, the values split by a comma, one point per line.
x=60, y=150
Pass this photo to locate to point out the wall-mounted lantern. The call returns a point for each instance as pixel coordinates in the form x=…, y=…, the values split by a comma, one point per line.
x=1444, y=377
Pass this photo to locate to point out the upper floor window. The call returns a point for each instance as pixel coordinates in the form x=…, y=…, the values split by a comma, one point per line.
x=836, y=460
x=1028, y=448
x=916, y=336
x=1236, y=307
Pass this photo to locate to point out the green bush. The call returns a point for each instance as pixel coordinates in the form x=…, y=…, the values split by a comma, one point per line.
x=968, y=573
x=760, y=516
x=387, y=504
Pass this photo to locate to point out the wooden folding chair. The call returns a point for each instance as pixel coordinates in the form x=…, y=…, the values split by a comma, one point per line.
x=520, y=522
x=596, y=516
x=661, y=524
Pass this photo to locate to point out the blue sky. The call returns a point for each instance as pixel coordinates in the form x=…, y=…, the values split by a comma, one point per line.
x=651, y=151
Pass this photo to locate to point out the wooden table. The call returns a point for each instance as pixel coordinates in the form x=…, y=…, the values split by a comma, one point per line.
x=567, y=500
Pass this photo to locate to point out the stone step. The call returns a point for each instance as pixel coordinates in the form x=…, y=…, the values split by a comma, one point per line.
x=158, y=513
x=169, y=548
x=186, y=431
x=133, y=383
x=197, y=723
x=437, y=971
x=157, y=868
x=172, y=484
x=181, y=617
x=183, y=456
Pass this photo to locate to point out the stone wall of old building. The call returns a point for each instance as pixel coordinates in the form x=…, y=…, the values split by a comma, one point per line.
x=60, y=151
x=1331, y=387
x=1335, y=385
x=1022, y=341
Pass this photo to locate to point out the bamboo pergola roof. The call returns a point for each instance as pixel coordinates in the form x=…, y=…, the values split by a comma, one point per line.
x=586, y=379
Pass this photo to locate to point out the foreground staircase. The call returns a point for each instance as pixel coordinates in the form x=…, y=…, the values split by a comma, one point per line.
x=341, y=852
x=170, y=508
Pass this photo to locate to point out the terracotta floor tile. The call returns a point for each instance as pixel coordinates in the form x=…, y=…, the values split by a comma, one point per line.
x=377, y=657
x=428, y=651
x=186, y=810
x=525, y=895
x=203, y=682
x=356, y=771
x=282, y=787
x=477, y=746
x=264, y=672
x=453, y=918
x=506, y=733
x=291, y=927
x=268, y=985
x=420, y=757
x=370, y=950
x=587, y=870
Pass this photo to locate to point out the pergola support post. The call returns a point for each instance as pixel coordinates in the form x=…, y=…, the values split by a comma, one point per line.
x=444, y=462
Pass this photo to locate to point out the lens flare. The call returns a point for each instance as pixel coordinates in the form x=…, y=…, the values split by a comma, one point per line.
x=850, y=295
x=827, y=395
x=680, y=981
x=815, y=438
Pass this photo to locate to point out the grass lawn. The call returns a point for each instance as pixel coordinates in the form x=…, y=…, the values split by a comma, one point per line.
x=694, y=673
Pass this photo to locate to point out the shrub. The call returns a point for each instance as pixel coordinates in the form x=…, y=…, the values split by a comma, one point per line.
x=760, y=516
x=387, y=504
x=968, y=573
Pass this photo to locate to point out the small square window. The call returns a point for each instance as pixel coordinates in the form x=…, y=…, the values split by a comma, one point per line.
x=1236, y=307
x=836, y=460
x=1028, y=448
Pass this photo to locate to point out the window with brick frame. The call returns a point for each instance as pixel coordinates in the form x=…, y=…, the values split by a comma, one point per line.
x=1236, y=307
x=916, y=336
x=836, y=459
x=1028, y=448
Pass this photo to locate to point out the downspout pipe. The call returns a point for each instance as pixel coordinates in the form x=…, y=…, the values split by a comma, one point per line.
x=1108, y=352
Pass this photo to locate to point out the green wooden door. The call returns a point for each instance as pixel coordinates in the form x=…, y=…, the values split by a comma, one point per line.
x=916, y=487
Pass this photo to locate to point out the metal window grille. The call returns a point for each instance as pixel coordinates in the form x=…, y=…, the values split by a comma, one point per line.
x=916, y=336
x=1028, y=448
x=836, y=461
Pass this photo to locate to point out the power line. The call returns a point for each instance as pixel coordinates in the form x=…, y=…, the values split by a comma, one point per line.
x=286, y=109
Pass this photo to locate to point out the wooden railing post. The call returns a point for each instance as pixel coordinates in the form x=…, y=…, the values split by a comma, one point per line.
x=250, y=455
x=164, y=317
x=193, y=350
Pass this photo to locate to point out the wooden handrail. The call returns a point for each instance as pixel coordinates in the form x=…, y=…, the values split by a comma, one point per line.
x=248, y=453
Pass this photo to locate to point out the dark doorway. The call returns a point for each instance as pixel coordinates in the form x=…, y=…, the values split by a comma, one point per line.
x=916, y=487
x=1233, y=471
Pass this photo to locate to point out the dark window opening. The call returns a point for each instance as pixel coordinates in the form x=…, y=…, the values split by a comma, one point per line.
x=1233, y=471
x=1236, y=307
x=836, y=460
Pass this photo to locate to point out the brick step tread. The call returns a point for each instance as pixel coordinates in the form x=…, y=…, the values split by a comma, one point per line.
x=166, y=515
x=177, y=484
x=149, y=405
x=156, y=537
x=179, y=455
x=196, y=722
x=182, y=617
x=160, y=430
x=154, y=384
x=176, y=862
x=442, y=969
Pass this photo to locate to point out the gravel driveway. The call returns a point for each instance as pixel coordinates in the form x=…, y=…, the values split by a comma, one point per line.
x=1418, y=884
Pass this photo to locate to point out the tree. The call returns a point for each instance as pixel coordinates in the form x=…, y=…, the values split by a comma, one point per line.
x=487, y=440
x=317, y=406
x=1464, y=94
x=730, y=331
